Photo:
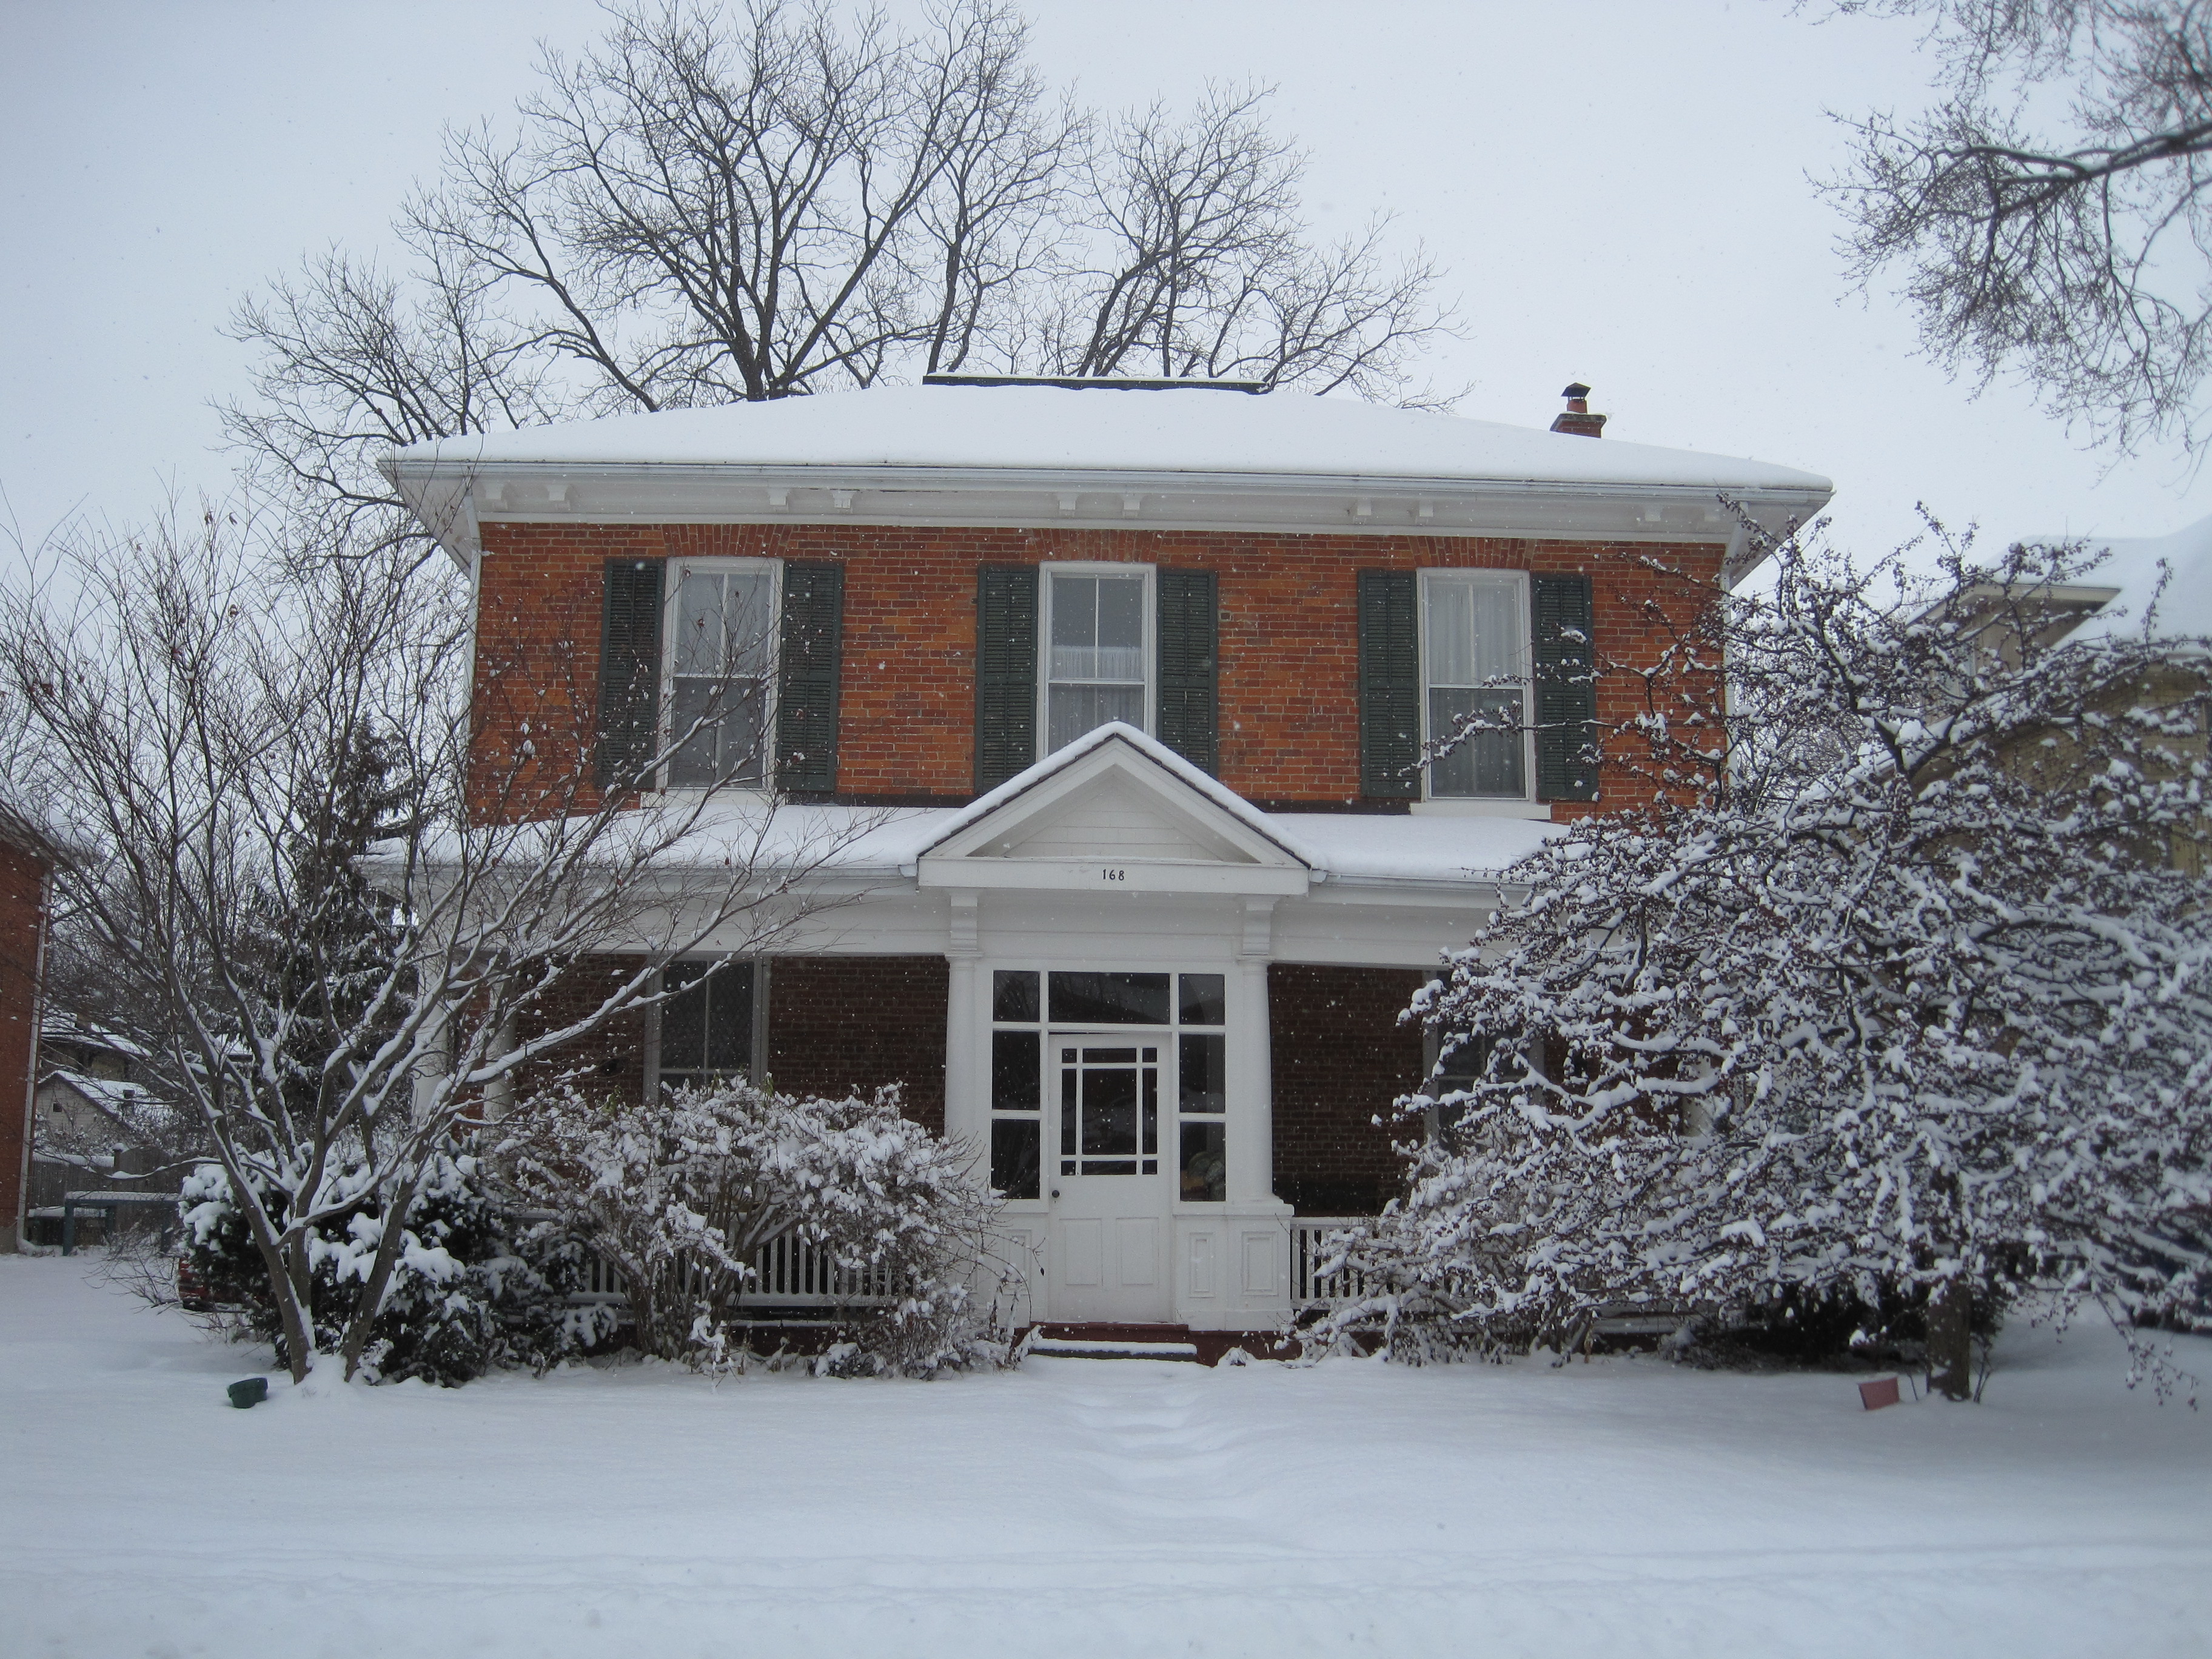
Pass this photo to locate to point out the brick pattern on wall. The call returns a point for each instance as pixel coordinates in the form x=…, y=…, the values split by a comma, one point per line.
x=612, y=1059
x=841, y=1024
x=1289, y=658
x=1340, y=1059
x=22, y=923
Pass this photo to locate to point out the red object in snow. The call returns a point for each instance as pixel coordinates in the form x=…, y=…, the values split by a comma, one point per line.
x=1882, y=1391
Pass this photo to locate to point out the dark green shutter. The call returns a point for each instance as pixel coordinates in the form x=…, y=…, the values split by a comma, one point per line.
x=1389, y=685
x=1189, y=676
x=1566, y=688
x=807, y=673
x=1006, y=672
x=629, y=672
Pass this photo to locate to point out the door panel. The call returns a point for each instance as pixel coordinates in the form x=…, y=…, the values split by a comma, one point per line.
x=1104, y=1176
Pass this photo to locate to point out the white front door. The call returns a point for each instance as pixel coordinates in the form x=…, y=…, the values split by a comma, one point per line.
x=1107, y=1177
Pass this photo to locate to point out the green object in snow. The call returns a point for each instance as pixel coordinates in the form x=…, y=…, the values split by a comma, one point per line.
x=250, y=1392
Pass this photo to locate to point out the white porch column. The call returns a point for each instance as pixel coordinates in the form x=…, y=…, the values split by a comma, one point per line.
x=967, y=1108
x=1251, y=1102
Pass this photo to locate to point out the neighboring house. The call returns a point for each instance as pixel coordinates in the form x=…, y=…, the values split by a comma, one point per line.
x=25, y=878
x=1137, y=676
x=2161, y=583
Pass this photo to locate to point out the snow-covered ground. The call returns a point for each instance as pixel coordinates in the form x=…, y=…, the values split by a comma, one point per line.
x=1080, y=1507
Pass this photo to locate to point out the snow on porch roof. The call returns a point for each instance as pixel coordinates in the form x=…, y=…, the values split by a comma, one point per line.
x=877, y=844
x=1054, y=428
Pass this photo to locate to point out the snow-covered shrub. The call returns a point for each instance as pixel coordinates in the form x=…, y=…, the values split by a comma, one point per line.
x=1904, y=995
x=473, y=1290
x=679, y=1195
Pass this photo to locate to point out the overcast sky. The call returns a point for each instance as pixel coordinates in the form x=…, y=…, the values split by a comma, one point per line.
x=1618, y=190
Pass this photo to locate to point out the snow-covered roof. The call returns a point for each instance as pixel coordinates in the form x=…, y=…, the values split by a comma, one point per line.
x=1052, y=428
x=106, y=1093
x=2133, y=566
x=1185, y=457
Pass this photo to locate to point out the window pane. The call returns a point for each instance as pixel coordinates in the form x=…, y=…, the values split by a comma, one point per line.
x=707, y=1030
x=1202, y=1065
x=698, y=646
x=1075, y=709
x=1074, y=613
x=1016, y=1066
x=728, y=747
x=1110, y=999
x=1121, y=616
x=748, y=615
x=684, y=1023
x=1451, y=634
x=1489, y=762
x=1204, y=998
x=1205, y=1167
x=1016, y=1149
x=1014, y=997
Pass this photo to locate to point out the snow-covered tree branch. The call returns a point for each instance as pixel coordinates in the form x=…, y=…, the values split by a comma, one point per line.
x=1913, y=994
x=352, y=926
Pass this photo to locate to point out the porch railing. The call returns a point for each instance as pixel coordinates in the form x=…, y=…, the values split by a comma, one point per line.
x=1310, y=1253
x=791, y=1273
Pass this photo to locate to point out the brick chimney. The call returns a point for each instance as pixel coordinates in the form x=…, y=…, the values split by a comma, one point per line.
x=1576, y=417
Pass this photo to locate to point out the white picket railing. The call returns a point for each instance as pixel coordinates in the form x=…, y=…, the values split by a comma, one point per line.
x=1310, y=1252
x=791, y=1273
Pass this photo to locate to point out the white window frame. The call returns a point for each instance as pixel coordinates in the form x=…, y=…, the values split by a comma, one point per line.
x=1046, y=573
x=1524, y=805
x=671, y=615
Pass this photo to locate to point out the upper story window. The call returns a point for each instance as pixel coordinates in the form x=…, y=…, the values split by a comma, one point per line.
x=1474, y=662
x=722, y=625
x=1097, y=635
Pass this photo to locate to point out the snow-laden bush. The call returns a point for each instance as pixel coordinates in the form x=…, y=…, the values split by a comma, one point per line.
x=1909, y=994
x=679, y=1195
x=473, y=1290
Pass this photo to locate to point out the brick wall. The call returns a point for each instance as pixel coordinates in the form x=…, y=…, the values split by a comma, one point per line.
x=1288, y=655
x=612, y=1059
x=1340, y=1059
x=22, y=926
x=836, y=1023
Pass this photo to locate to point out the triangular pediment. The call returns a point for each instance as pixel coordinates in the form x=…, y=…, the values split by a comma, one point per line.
x=1116, y=802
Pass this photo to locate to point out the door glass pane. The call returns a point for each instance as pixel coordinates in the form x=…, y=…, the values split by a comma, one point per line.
x=1109, y=1111
x=1205, y=1168
x=1090, y=999
x=1015, y=1146
x=1014, y=1062
x=1204, y=998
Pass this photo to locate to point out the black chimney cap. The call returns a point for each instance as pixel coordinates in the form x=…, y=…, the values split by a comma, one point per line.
x=1576, y=389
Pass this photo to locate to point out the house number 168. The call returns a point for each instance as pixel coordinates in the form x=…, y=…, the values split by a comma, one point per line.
x=1113, y=875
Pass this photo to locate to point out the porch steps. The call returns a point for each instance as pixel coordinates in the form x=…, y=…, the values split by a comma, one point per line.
x=1175, y=1343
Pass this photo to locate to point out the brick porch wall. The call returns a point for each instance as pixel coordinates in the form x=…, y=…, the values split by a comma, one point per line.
x=1340, y=1059
x=836, y=1023
x=1289, y=661
x=612, y=1059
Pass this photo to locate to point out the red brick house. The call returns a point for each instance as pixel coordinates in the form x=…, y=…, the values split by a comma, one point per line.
x=25, y=871
x=1134, y=679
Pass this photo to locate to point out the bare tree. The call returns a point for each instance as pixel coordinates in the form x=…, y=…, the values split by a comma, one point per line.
x=353, y=922
x=2049, y=215
x=1201, y=265
x=705, y=208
